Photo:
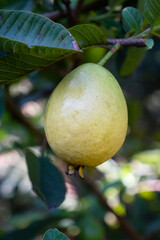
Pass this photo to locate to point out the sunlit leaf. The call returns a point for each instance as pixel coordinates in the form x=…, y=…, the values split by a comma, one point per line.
x=120, y=209
x=29, y=42
x=54, y=234
x=148, y=195
x=152, y=10
x=46, y=179
x=148, y=156
x=132, y=19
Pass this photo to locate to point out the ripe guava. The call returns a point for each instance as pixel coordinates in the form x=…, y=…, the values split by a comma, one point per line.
x=86, y=116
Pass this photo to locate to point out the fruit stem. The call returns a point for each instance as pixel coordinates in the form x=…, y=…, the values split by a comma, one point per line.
x=80, y=171
x=114, y=49
x=71, y=170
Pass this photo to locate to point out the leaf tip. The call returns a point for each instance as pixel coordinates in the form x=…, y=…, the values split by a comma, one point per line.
x=149, y=43
x=75, y=46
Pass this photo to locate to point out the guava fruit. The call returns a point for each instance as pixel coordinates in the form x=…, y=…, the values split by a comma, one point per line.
x=93, y=54
x=86, y=116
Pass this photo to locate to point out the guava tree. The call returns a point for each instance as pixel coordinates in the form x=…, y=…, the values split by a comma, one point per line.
x=41, y=42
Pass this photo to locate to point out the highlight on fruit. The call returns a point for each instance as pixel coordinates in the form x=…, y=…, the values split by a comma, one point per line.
x=86, y=117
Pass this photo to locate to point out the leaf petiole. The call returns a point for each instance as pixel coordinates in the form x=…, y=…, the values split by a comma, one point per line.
x=114, y=49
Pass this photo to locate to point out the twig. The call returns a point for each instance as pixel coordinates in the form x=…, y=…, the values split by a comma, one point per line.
x=124, y=222
x=109, y=54
x=127, y=42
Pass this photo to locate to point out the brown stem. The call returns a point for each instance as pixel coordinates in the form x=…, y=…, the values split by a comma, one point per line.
x=124, y=222
x=127, y=42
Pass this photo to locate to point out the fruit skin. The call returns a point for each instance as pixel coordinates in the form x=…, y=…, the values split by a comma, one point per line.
x=94, y=54
x=86, y=116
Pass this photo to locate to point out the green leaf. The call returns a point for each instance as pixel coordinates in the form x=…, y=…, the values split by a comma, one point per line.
x=88, y=35
x=29, y=42
x=151, y=10
x=46, y=180
x=133, y=58
x=132, y=19
x=54, y=234
x=91, y=228
x=156, y=27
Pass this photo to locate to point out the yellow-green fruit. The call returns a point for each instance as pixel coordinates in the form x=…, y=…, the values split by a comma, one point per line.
x=93, y=54
x=86, y=116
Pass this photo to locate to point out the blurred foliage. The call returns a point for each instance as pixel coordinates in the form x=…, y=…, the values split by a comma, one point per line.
x=130, y=183
x=47, y=181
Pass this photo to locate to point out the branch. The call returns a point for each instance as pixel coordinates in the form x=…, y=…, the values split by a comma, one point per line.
x=127, y=42
x=114, y=49
x=124, y=222
x=117, y=43
x=56, y=15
